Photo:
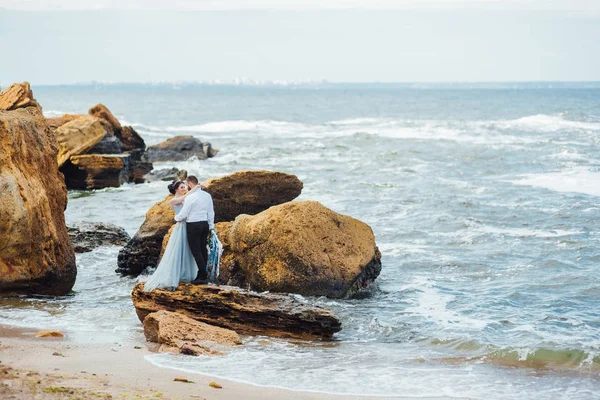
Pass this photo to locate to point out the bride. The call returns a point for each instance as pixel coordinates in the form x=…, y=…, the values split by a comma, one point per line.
x=177, y=263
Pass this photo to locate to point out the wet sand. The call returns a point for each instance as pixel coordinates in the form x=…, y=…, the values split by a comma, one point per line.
x=58, y=368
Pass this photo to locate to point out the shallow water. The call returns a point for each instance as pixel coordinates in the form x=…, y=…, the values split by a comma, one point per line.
x=483, y=203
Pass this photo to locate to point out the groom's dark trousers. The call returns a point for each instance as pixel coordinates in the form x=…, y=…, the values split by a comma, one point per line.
x=197, y=235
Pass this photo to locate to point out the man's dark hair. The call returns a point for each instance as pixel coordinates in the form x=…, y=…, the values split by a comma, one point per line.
x=192, y=179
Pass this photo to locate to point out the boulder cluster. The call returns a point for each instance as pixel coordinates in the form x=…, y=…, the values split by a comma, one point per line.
x=271, y=242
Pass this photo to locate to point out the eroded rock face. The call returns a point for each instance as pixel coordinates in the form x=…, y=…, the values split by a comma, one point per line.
x=78, y=137
x=36, y=254
x=177, y=333
x=109, y=144
x=130, y=139
x=18, y=95
x=57, y=122
x=112, y=125
x=300, y=247
x=96, y=171
x=144, y=249
x=86, y=236
x=167, y=175
x=179, y=148
x=250, y=192
x=239, y=310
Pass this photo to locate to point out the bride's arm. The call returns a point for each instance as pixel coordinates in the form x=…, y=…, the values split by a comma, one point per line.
x=178, y=200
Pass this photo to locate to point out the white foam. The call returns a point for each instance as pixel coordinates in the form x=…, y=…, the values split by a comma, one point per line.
x=54, y=113
x=575, y=180
x=433, y=305
x=524, y=232
x=548, y=123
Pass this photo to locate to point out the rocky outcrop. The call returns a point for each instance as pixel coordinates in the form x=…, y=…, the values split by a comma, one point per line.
x=177, y=333
x=86, y=236
x=57, y=122
x=167, y=175
x=130, y=139
x=18, y=95
x=179, y=148
x=109, y=144
x=300, y=247
x=96, y=171
x=112, y=125
x=250, y=192
x=36, y=254
x=240, y=310
x=144, y=249
x=78, y=137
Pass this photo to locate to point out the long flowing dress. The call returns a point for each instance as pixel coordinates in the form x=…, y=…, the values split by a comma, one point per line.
x=177, y=263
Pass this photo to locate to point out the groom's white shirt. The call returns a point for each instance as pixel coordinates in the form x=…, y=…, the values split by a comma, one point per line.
x=197, y=206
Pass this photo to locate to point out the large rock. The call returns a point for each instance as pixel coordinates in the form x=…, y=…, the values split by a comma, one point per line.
x=109, y=144
x=97, y=171
x=166, y=174
x=240, y=310
x=18, y=95
x=177, y=333
x=86, y=236
x=35, y=250
x=130, y=139
x=144, y=249
x=57, y=122
x=112, y=125
x=78, y=137
x=250, y=192
x=300, y=247
x=179, y=148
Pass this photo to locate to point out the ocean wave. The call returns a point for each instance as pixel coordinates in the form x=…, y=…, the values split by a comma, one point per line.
x=545, y=123
x=54, y=113
x=574, y=180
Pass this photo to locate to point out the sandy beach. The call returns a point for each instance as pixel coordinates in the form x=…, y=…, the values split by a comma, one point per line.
x=58, y=368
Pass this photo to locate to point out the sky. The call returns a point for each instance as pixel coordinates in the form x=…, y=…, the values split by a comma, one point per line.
x=69, y=41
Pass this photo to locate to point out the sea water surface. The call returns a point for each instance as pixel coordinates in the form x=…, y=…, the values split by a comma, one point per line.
x=483, y=200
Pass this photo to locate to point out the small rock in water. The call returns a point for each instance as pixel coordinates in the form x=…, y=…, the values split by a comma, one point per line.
x=49, y=334
x=215, y=385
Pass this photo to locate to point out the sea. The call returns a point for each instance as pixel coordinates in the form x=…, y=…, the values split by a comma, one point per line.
x=483, y=198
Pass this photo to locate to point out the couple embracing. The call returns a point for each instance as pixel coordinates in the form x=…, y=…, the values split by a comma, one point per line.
x=186, y=254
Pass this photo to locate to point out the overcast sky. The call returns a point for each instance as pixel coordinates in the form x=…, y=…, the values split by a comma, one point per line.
x=67, y=41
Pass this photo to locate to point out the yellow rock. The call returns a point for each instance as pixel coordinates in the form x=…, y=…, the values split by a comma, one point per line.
x=49, y=334
x=78, y=137
x=215, y=385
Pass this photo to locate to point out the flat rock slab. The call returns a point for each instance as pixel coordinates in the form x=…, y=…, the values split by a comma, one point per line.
x=86, y=236
x=240, y=310
x=177, y=333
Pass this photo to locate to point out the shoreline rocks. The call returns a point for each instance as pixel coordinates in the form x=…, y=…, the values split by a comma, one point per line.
x=36, y=254
x=299, y=247
x=86, y=236
x=97, y=171
x=240, y=310
x=250, y=192
x=179, y=148
x=18, y=95
x=177, y=333
x=78, y=137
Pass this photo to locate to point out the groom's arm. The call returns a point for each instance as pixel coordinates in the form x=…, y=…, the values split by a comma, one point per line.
x=183, y=214
x=211, y=213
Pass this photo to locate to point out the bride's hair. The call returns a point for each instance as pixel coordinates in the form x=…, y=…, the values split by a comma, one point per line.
x=173, y=186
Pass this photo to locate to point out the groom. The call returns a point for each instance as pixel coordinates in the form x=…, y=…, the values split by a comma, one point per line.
x=199, y=214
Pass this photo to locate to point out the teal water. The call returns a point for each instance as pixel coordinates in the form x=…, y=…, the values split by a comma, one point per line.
x=483, y=199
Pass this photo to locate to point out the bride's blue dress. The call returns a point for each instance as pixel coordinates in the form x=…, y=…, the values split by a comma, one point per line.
x=177, y=263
